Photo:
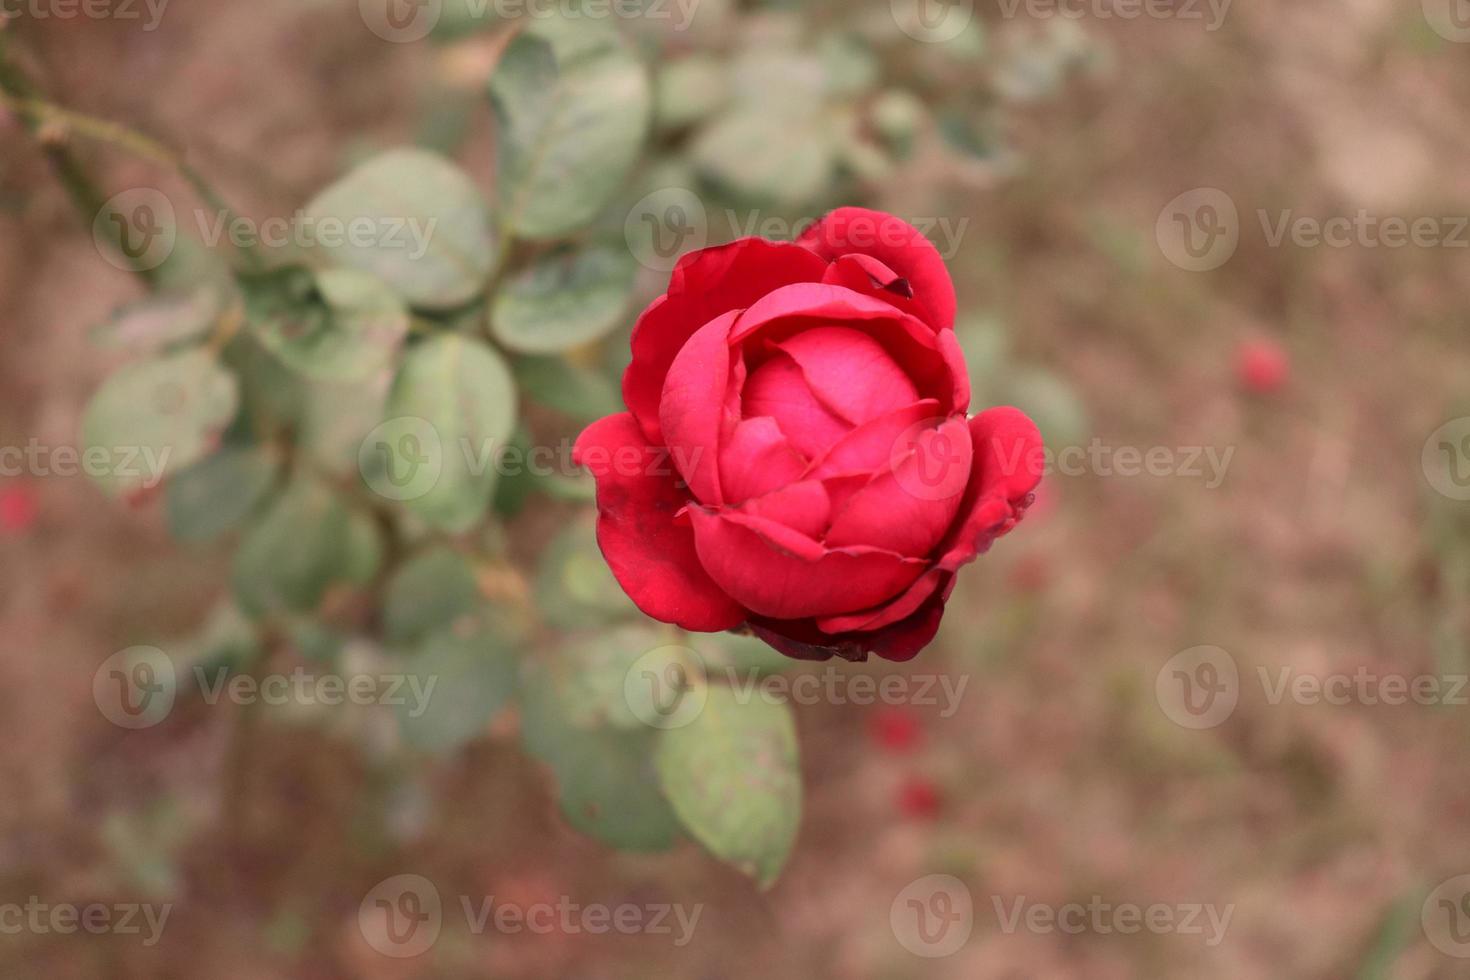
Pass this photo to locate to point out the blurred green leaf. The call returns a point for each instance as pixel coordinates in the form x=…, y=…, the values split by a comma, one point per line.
x=690, y=89
x=731, y=774
x=465, y=392
x=305, y=542
x=765, y=156
x=422, y=227
x=849, y=63
x=1052, y=404
x=155, y=418
x=563, y=300
x=574, y=587
x=332, y=325
x=162, y=320
x=739, y=653
x=430, y=591
x=218, y=493
x=573, y=107
x=472, y=669
x=583, y=394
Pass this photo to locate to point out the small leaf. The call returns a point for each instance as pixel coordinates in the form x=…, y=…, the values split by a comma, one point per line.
x=583, y=394
x=431, y=591
x=463, y=397
x=691, y=89
x=573, y=107
x=765, y=156
x=305, y=542
x=156, y=417
x=422, y=227
x=459, y=680
x=162, y=320
x=731, y=775
x=218, y=493
x=332, y=325
x=564, y=300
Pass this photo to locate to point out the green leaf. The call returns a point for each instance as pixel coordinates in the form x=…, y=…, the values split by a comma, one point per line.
x=307, y=540
x=690, y=89
x=429, y=592
x=564, y=300
x=472, y=670
x=459, y=398
x=731, y=775
x=425, y=230
x=574, y=587
x=573, y=108
x=740, y=653
x=608, y=787
x=217, y=494
x=766, y=156
x=155, y=418
x=162, y=320
x=331, y=325
x=579, y=392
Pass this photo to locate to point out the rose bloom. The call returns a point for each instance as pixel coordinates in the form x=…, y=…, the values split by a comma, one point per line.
x=796, y=459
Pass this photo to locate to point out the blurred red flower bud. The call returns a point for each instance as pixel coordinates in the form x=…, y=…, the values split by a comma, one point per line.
x=18, y=509
x=1262, y=366
x=918, y=798
x=894, y=729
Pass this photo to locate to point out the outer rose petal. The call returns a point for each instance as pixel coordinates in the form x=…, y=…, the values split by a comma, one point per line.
x=652, y=557
x=897, y=641
x=757, y=459
x=865, y=274
x=782, y=574
x=895, y=243
x=692, y=412
x=704, y=285
x=1007, y=468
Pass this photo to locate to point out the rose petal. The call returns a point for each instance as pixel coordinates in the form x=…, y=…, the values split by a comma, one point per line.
x=802, y=506
x=902, y=607
x=869, y=447
x=850, y=372
x=895, y=243
x=908, y=509
x=1007, y=467
x=911, y=344
x=653, y=558
x=782, y=574
x=704, y=285
x=757, y=459
x=897, y=641
x=692, y=410
x=865, y=274
x=778, y=389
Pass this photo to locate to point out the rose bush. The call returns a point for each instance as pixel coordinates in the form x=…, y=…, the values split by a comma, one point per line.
x=796, y=455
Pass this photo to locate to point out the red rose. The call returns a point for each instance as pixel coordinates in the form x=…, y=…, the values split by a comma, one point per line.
x=796, y=456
